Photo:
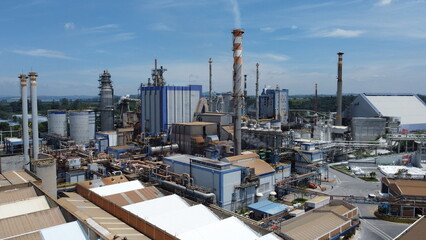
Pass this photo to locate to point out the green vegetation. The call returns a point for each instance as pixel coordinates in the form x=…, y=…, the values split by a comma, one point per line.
x=299, y=200
x=369, y=179
x=394, y=218
x=341, y=168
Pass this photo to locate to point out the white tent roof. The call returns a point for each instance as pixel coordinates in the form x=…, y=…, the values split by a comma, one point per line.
x=230, y=228
x=270, y=236
x=117, y=188
x=157, y=206
x=183, y=220
x=26, y=206
x=408, y=107
x=67, y=231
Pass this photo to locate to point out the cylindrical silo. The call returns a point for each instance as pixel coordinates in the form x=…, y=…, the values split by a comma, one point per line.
x=79, y=126
x=45, y=169
x=57, y=122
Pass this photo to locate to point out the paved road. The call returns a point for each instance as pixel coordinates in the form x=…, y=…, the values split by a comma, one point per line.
x=371, y=227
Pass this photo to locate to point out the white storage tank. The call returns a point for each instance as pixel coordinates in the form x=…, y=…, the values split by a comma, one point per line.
x=82, y=126
x=57, y=122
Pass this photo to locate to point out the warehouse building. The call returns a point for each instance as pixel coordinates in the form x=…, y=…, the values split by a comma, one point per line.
x=409, y=109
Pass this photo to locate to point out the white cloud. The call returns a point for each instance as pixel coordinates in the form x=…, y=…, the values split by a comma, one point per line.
x=69, y=26
x=236, y=13
x=384, y=2
x=101, y=29
x=294, y=27
x=268, y=56
x=43, y=53
x=267, y=29
x=161, y=27
x=340, y=33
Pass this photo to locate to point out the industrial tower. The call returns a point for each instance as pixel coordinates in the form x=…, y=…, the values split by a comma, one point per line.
x=106, y=102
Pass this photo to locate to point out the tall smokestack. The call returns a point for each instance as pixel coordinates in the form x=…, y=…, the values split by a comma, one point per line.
x=339, y=90
x=257, y=92
x=316, y=98
x=238, y=73
x=25, y=135
x=210, y=85
x=34, y=113
x=106, y=102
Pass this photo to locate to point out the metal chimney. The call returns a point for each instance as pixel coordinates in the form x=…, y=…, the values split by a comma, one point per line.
x=339, y=90
x=238, y=73
x=257, y=92
x=34, y=112
x=106, y=102
x=25, y=136
x=210, y=84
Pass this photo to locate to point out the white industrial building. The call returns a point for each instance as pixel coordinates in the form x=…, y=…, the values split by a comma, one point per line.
x=273, y=103
x=162, y=106
x=408, y=108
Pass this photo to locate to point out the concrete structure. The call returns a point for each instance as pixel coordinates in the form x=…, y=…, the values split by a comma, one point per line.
x=57, y=122
x=106, y=104
x=339, y=90
x=409, y=108
x=82, y=126
x=34, y=113
x=25, y=134
x=367, y=129
x=45, y=169
x=190, y=137
x=165, y=105
x=11, y=163
x=274, y=104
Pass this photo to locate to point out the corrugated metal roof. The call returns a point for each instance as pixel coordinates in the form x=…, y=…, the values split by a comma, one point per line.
x=184, y=220
x=16, y=194
x=230, y=228
x=139, y=195
x=156, y=206
x=260, y=166
x=96, y=217
x=268, y=207
x=410, y=108
x=312, y=225
x=29, y=236
x=30, y=222
x=117, y=188
x=26, y=206
x=17, y=177
x=3, y=181
x=103, y=181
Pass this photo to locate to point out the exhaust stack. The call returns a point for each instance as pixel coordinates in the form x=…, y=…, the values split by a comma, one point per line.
x=257, y=93
x=316, y=98
x=34, y=113
x=25, y=135
x=210, y=84
x=339, y=90
x=238, y=73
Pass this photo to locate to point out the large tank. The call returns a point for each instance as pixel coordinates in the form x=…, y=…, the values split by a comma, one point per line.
x=57, y=122
x=82, y=126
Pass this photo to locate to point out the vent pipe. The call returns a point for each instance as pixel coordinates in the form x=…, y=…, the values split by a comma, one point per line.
x=34, y=113
x=25, y=136
x=210, y=84
x=257, y=92
x=238, y=73
x=339, y=90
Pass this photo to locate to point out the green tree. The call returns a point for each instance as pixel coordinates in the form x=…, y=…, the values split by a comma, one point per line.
x=373, y=174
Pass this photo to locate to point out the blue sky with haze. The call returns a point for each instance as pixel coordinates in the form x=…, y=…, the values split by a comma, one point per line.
x=70, y=42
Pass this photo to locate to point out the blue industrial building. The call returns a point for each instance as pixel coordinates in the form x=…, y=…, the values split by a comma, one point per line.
x=273, y=103
x=162, y=106
x=266, y=209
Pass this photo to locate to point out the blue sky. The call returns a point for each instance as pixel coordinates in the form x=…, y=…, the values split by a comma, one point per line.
x=295, y=42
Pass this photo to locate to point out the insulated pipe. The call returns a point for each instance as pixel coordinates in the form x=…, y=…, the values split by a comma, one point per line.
x=238, y=73
x=339, y=90
x=211, y=196
x=34, y=113
x=210, y=84
x=25, y=135
x=257, y=93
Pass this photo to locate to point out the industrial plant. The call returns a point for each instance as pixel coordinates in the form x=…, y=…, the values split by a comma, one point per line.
x=175, y=163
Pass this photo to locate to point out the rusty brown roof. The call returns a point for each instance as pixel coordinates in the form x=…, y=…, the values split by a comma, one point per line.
x=17, y=177
x=242, y=157
x=30, y=222
x=260, y=166
x=140, y=195
x=414, y=231
x=408, y=187
x=13, y=195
